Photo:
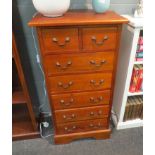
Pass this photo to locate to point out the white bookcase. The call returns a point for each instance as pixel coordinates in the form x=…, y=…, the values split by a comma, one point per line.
x=126, y=61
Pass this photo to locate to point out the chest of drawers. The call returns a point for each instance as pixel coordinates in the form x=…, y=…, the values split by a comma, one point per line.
x=79, y=57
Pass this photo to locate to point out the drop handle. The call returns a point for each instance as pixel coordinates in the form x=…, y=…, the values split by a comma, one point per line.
x=92, y=114
x=97, y=100
x=65, y=86
x=100, y=112
x=62, y=102
x=99, y=42
x=67, y=39
x=95, y=126
x=70, y=129
x=59, y=66
x=69, y=117
x=94, y=83
x=94, y=63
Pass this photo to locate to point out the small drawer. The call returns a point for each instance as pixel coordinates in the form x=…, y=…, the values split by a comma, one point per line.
x=99, y=39
x=83, y=62
x=68, y=83
x=71, y=115
x=77, y=100
x=82, y=126
x=60, y=40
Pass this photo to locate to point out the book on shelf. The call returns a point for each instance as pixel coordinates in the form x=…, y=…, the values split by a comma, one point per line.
x=126, y=111
x=140, y=40
x=139, y=51
x=139, y=48
x=141, y=107
x=141, y=115
x=134, y=108
x=140, y=79
x=136, y=79
x=141, y=88
x=138, y=107
x=139, y=59
x=139, y=54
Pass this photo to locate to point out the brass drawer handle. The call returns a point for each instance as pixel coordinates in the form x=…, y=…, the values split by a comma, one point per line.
x=92, y=62
x=67, y=39
x=99, y=42
x=94, y=83
x=92, y=114
x=58, y=65
x=71, y=129
x=65, y=86
x=73, y=116
x=67, y=103
x=97, y=100
x=100, y=112
x=95, y=126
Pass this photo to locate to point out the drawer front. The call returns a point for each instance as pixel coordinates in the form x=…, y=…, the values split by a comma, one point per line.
x=63, y=116
x=99, y=38
x=83, y=62
x=68, y=83
x=82, y=126
x=60, y=40
x=77, y=100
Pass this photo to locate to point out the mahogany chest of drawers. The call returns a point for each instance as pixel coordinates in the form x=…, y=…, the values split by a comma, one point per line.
x=79, y=57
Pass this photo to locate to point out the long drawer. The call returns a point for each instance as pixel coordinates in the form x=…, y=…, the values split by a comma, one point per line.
x=81, y=62
x=82, y=126
x=71, y=115
x=76, y=100
x=68, y=83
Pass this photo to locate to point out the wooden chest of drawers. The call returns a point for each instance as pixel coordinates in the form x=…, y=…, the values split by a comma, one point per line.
x=79, y=56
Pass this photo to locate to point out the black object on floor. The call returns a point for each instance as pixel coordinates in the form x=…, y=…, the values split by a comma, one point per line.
x=122, y=142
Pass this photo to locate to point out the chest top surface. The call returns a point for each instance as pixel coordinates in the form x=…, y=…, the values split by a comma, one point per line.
x=79, y=17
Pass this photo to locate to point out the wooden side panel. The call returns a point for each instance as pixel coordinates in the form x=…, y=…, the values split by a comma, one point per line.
x=119, y=30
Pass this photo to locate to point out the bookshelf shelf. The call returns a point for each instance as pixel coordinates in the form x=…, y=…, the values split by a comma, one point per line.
x=138, y=62
x=135, y=94
x=126, y=62
x=18, y=97
x=129, y=124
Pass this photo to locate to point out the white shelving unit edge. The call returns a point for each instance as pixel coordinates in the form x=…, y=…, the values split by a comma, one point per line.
x=129, y=40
